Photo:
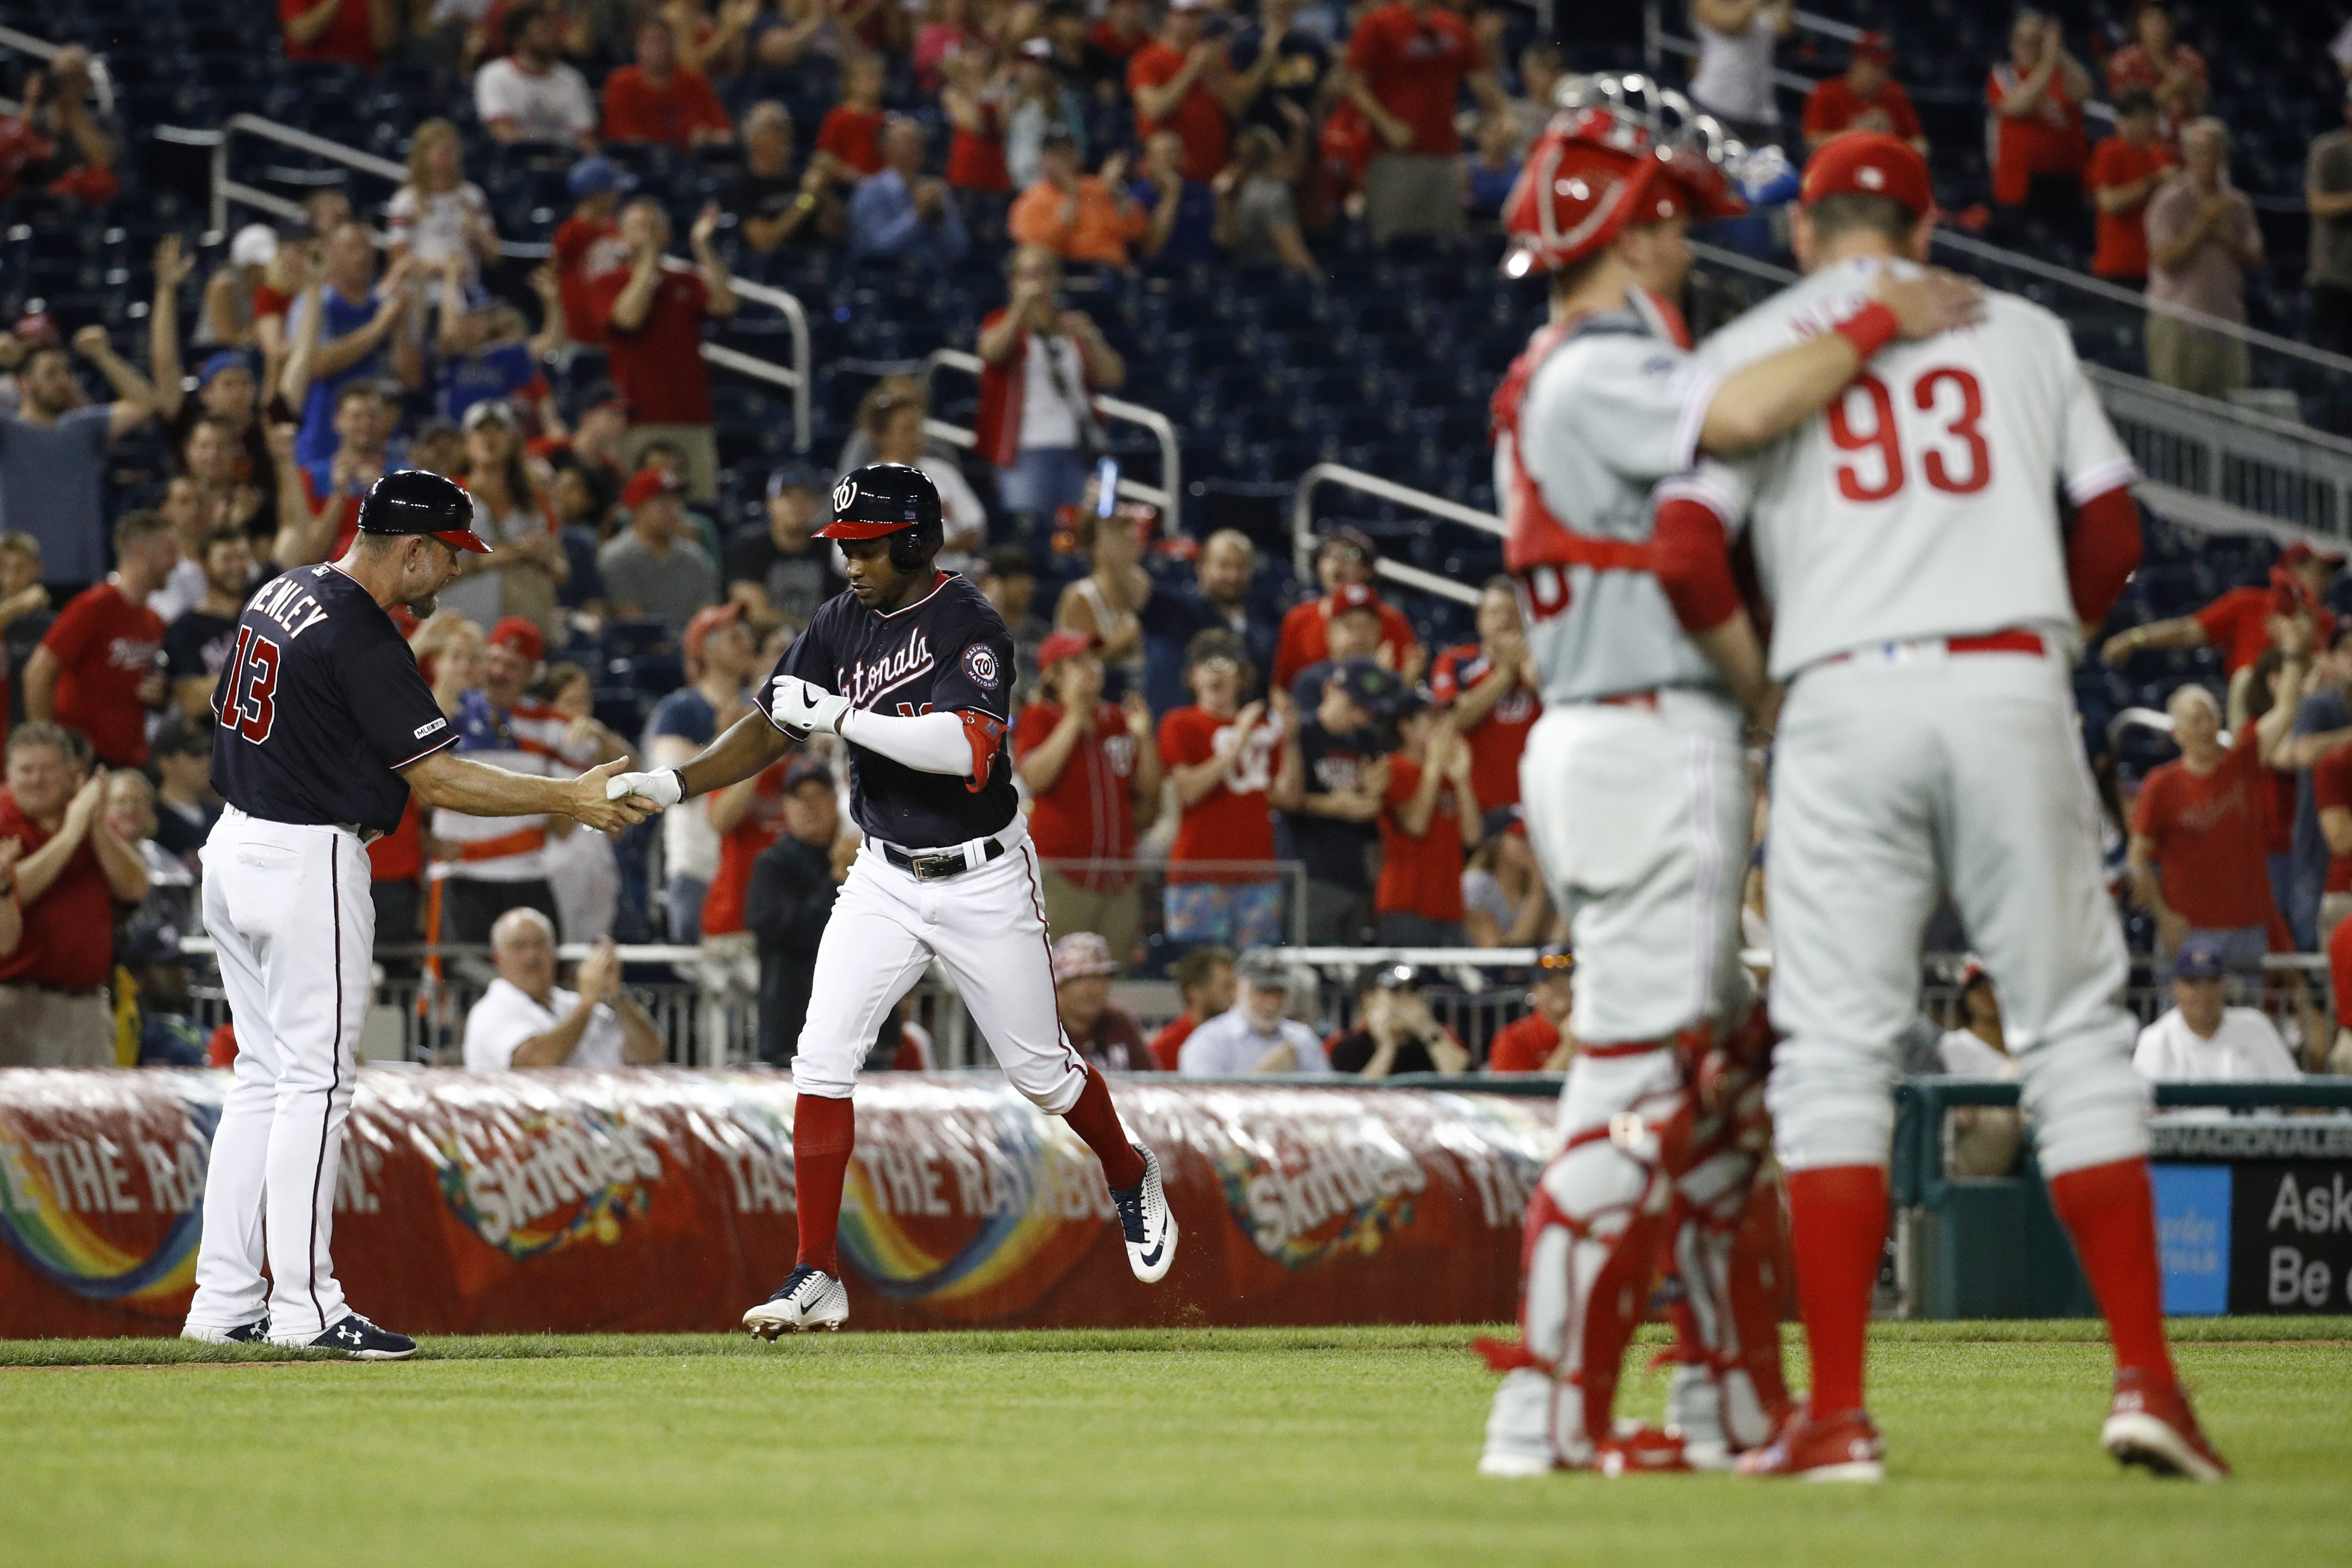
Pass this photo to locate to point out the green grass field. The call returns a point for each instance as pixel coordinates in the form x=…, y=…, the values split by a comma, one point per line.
x=1195, y=1448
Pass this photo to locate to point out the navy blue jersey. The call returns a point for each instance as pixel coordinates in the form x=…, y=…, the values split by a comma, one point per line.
x=948, y=652
x=319, y=701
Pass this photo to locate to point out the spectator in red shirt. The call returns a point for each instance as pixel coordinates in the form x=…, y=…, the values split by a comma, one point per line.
x=96, y=670
x=1223, y=758
x=70, y=868
x=1490, y=687
x=2037, y=96
x=1183, y=82
x=2197, y=851
x=1542, y=1041
x=747, y=817
x=1099, y=1029
x=660, y=99
x=1206, y=978
x=2331, y=796
x=2339, y=983
x=2156, y=62
x=1430, y=823
x=653, y=317
x=1092, y=769
x=976, y=98
x=1345, y=556
x=1407, y=61
x=849, y=138
x=1867, y=98
x=2241, y=623
x=588, y=243
x=2125, y=169
x=355, y=31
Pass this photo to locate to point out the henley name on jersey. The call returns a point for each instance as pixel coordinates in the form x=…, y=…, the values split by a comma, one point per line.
x=319, y=704
x=942, y=654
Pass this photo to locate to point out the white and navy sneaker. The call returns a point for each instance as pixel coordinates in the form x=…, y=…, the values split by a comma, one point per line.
x=810, y=1298
x=356, y=1339
x=253, y=1333
x=1149, y=1228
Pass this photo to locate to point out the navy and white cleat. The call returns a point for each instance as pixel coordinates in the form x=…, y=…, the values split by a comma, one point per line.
x=255, y=1332
x=810, y=1298
x=1149, y=1226
x=356, y=1339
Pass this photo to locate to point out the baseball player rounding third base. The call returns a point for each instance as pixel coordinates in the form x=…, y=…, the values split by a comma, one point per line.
x=1634, y=781
x=1927, y=609
x=913, y=668
x=323, y=726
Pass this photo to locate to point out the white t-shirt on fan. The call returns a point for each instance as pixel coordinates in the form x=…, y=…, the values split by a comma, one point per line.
x=506, y=1016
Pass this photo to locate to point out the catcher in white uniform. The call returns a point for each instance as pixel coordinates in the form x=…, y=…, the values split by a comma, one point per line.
x=1928, y=603
x=1635, y=783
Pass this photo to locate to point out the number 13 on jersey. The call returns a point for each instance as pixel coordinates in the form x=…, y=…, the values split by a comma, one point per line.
x=249, y=692
x=1867, y=423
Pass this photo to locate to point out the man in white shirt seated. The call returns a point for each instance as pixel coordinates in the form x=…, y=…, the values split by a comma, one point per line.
x=1254, y=1037
x=526, y=1020
x=2205, y=1040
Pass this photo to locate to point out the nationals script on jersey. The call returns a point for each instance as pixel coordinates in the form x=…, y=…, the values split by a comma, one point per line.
x=1923, y=503
x=948, y=652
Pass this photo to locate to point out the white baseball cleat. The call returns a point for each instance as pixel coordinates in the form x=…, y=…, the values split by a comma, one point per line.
x=810, y=1298
x=1519, y=1440
x=255, y=1332
x=1149, y=1227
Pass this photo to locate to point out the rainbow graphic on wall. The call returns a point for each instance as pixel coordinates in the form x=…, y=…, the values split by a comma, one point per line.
x=63, y=1247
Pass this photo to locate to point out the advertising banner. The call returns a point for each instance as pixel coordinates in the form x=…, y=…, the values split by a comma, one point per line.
x=659, y=1200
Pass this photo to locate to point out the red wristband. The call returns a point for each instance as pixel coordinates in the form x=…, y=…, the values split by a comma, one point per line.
x=1870, y=329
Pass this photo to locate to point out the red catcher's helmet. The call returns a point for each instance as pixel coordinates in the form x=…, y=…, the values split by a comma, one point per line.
x=1621, y=151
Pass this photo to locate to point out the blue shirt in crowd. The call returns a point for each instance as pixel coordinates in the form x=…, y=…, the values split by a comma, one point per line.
x=883, y=223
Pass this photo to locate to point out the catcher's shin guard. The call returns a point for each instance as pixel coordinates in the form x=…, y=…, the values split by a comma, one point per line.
x=1594, y=1229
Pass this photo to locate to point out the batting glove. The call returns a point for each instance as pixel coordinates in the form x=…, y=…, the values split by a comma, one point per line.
x=806, y=707
x=665, y=789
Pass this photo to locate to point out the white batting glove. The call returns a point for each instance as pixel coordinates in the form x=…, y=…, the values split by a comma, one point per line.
x=665, y=788
x=807, y=707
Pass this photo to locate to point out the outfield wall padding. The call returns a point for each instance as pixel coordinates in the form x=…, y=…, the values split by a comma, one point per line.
x=659, y=1200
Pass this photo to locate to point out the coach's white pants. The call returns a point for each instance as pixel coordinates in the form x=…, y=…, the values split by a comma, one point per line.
x=1641, y=819
x=289, y=911
x=1891, y=782
x=986, y=926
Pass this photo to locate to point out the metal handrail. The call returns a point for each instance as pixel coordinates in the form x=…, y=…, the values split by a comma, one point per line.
x=798, y=376
x=100, y=78
x=1168, y=495
x=224, y=189
x=1302, y=525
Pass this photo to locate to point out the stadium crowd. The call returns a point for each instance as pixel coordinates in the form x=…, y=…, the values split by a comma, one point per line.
x=1210, y=770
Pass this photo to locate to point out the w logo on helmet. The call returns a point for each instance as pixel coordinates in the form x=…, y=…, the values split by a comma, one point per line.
x=844, y=495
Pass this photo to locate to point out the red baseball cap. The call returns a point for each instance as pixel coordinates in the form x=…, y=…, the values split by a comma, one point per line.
x=521, y=636
x=1060, y=645
x=38, y=327
x=706, y=620
x=1354, y=596
x=647, y=483
x=1869, y=163
x=1874, y=46
x=2300, y=551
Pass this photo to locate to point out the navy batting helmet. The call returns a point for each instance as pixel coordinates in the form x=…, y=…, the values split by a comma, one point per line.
x=415, y=502
x=889, y=498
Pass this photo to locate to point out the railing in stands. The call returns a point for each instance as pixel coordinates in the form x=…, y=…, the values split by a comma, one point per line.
x=1168, y=495
x=795, y=378
x=1302, y=525
x=2204, y=465
x=101, y=82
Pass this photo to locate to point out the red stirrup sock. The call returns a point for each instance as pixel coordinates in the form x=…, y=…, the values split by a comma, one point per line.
x=1839, y=1216
x=1094, y=1119
x=2110, y=1211
x=824, y=1132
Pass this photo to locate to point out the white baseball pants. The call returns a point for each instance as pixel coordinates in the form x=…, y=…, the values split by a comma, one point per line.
x=987, y=926
x=1641, y=818
x=288, y=910
x=1894, y=777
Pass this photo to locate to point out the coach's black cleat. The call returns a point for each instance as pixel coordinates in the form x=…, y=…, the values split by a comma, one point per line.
x=255, y=1332
x=356, y=1339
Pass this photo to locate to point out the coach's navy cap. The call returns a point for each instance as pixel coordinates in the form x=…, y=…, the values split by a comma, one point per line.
x=414, y=501
x=2198, y=961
